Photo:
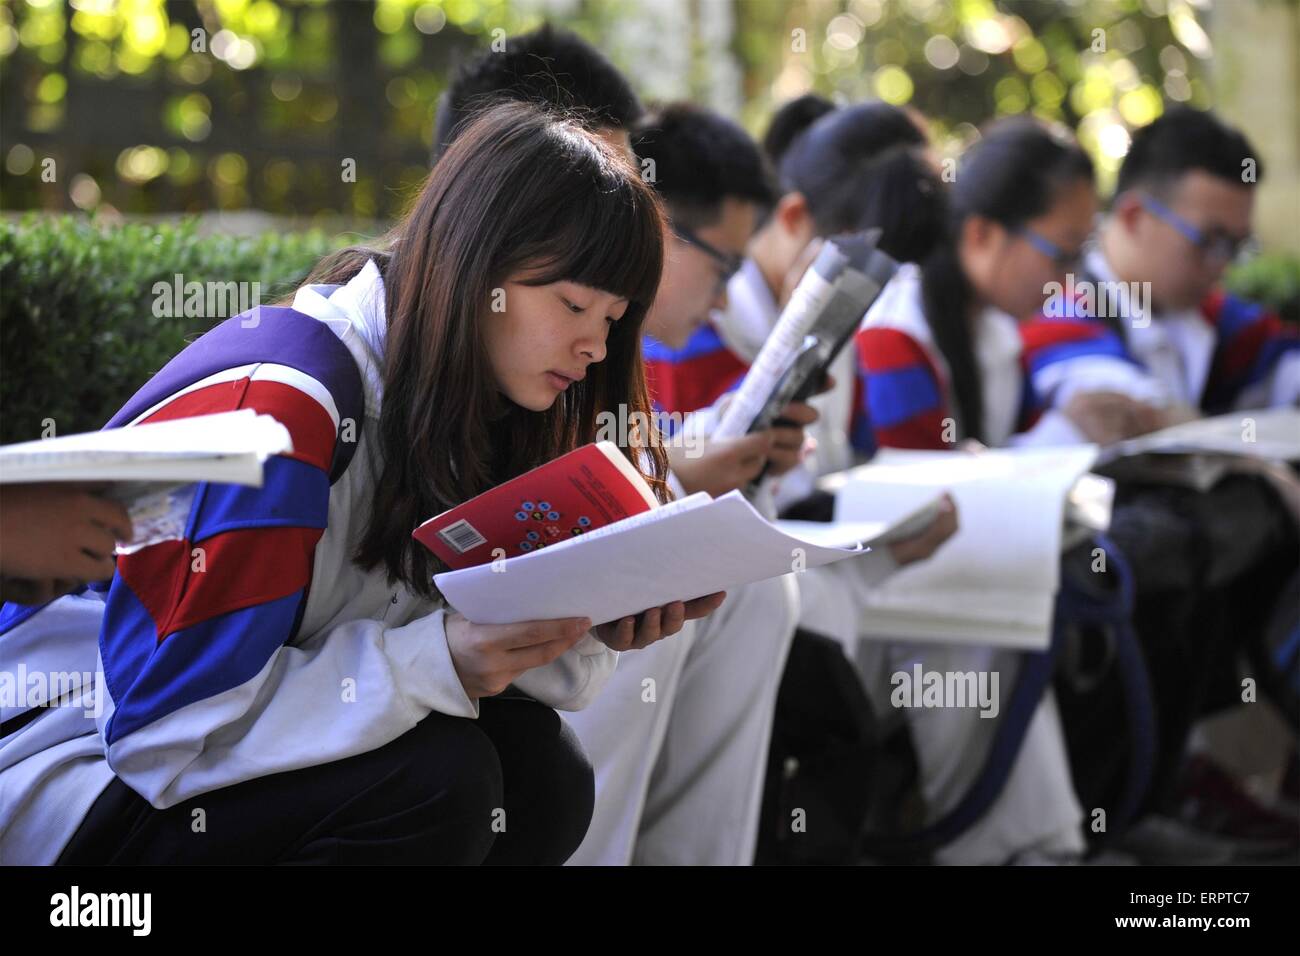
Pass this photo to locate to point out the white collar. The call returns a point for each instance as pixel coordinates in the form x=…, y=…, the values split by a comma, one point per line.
x=996, y=344
x=1184, y=338
x=751, y=312
x=355, y=311
x=1130, y=311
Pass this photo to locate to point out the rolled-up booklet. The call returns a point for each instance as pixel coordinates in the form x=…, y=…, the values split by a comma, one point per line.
x=824, y=311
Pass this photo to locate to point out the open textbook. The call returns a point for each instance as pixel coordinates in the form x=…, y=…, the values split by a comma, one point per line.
x=995, y=581
x=1199, y=453
x=824, y=311
x=662, y=553
x=153, y=468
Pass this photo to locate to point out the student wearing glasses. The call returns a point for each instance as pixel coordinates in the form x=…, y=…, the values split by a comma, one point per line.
x=1210, y=566
x=938, y=361
x=715, y=187
x=941, y=353
x=1180, y=216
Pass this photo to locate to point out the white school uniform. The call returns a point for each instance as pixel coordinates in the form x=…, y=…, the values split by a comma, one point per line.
x=1037, y=809
x=679, y=736
x=289, y=715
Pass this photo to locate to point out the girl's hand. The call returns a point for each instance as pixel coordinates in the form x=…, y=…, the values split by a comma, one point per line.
x=788, y=440
x=488, y=657
x=722, y=466
x=635, y=633
x=1107, y=417
x=921, y=546
x=59, y=532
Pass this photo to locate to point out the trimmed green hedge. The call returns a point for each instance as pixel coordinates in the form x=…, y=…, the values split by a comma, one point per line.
x=1273, y=280
x=79, y=331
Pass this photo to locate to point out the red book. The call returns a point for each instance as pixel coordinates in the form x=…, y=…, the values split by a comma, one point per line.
x=588, y=488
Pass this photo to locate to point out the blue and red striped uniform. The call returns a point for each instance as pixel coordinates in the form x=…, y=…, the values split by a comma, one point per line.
x=1247, y=347
x=1251, y=343
x=900, y=399
x=191, y=619
x=694, y=376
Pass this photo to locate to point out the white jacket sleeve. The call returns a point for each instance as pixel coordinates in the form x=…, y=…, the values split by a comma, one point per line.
x=571, y=681
x=346, y=691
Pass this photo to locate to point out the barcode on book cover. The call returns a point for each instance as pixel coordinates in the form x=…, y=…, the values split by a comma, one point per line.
x=461, y=536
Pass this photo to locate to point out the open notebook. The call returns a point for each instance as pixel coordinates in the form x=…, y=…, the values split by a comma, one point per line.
x=154, y=469
x=995, y=581
x=662, y=553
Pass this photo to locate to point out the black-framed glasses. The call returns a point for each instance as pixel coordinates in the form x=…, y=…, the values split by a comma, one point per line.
x=727, y=264
x=1061, y=258
x=1214, y=244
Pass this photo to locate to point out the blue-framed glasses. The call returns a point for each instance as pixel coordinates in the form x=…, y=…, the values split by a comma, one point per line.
x=1060, y=257
x=727, y=264
x=1216, y=245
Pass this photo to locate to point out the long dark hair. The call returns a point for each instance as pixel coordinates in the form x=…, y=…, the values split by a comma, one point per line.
x=519, y=189
x=1011, y=175
x=831, y=160
x=864, y=167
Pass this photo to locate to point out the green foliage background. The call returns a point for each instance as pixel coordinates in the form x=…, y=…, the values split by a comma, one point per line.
x=79, y=334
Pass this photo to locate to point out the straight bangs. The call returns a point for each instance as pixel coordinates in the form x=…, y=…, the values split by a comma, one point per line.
x=608, y=238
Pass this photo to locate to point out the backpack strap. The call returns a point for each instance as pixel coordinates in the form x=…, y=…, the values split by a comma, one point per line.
x=1072, y=607
x=263, y=334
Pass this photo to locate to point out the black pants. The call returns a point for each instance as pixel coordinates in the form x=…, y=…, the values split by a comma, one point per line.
x=513, y=787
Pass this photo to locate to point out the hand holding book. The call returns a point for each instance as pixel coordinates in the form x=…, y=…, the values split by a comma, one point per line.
x=607, y=568
x=489, y=657
x=56, y=536
x=636, y=633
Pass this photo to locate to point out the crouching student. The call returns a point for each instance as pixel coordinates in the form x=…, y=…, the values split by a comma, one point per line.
x=284, y=684
x=1181, y=213
x=704, y=792
x=678, y=739
x=940, y=357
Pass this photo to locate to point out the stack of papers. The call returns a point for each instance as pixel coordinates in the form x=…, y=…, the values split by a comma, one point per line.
x=995, y=581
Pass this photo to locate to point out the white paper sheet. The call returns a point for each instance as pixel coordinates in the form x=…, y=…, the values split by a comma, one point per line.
x=686, y=554
x=995, y=580
x=1272, y=433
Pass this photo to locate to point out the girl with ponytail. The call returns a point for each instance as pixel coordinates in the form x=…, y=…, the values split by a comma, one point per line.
x=940, y=353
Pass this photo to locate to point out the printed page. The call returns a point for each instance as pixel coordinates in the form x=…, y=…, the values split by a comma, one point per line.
x=690, y=553
x=1002, y=566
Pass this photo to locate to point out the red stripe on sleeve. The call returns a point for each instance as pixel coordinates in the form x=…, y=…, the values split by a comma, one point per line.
x=922, y=431
x=239, y=569
x=310, y=426
x=882, y=349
